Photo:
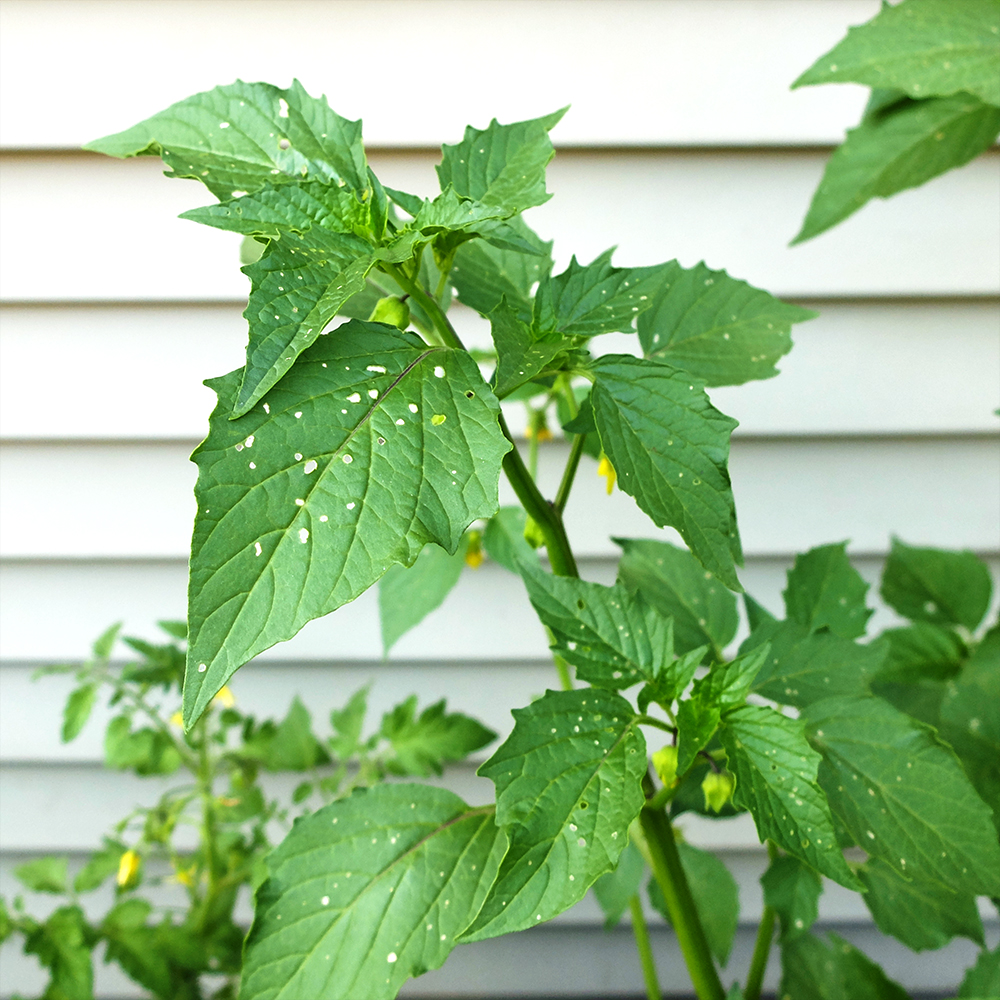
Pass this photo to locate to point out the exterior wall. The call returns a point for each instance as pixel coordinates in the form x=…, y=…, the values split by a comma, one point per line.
x=683, y=141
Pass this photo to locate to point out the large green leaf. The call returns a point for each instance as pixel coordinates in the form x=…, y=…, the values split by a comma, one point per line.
x=813, y=970
x=720, y=329
x=792, y=890
x=716, y=895
x=367, y=892
x=502, y=164
x=520, y=354
x=826, y=591
x=982, y=981
x=903, y=148
x=408, y=594
x=281, y=208
x=805, y=666
x=613, y=638
x=483, y=275
x=926, y=48
x=585, y=300
x=670, y=448
x=676, y=584
x=614, y=890
x=569, y=783
x=422, y=744
x=504, y=540
x=398, y=446
x=935, y=585
x=903, y=796
x=63, y=945
x=922, y=651
x=920, y=914
x=237, y=138
x=775, y=771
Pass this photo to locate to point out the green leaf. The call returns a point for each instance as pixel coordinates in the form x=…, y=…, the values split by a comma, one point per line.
x=920, y=914
x=136, y=947
x=77, y=710
x=935, y=585
x=569, y=782
x=675, y=583
x=826, y=591
x=670, y=448
x=239, y=137
x=100, y=866
x=450, y=212
x=775, y=771
x=484, y=275
x=728, y=684
x=502, y=164
x=276, y=210
x=175, y=629
x=922, y=651
x=520, y=356
x=697, y=721
x=63, y=945
x=804, y=667
x=370, y=891
x=43, y=875
x=757, y=614
x=613, y=638
x=347, y=723
x=585, y=300
x=902, y=149
x=719, y=329
x=407, y=595
x=810, y=968
x=297, y=287
x=417, y=464
x=792, y=890
x=983, y=979
x=504, y=540
x=667, y=686
x=292, y=745
x=716, y=897
x=106, y=641
x=925, y=48
x=422, y=745
x=615, y=889
x=145, y=751
x=903, y=796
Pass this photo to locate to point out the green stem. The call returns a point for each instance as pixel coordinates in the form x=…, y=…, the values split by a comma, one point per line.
x=648, y=720
x=762, y=946
x=666, y=865
x=569, y=473
x=641, y=934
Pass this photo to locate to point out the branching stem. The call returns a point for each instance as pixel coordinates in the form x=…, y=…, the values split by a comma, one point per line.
x=641, y=933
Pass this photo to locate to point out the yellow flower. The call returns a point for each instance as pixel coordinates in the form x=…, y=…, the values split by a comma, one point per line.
x=185, y=876
x=605, y=468
x=128, y=868
x=225, y=697
x=474, y=550
x=542, y=434
x=177, y=719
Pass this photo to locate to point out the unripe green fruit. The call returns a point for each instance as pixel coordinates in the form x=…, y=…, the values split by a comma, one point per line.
x=718, y=789
x=392, y=310
x=533, y=533
x=665, y=762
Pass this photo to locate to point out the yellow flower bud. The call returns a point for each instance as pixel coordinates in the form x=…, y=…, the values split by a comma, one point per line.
x=225, y=697
x=605, y=468
x=665, y=762
x=474, y=550
x=128, y=868
x=177, y=719
x=718, y=789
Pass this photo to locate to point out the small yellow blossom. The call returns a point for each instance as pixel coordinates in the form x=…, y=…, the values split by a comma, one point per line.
x=225, y=697
x=474, y=550
x=185, y=876
x=177, y=719
x=128, y=868
x=605, y=468
x=542, y=434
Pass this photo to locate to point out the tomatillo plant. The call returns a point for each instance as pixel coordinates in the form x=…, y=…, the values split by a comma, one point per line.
x=359, y=443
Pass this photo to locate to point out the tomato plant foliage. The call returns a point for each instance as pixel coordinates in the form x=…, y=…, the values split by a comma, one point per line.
x=349, y=451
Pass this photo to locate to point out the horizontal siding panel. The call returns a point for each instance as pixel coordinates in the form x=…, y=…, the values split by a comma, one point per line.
x=130, y=500
x=635, y=71
x=867, y=367
x=53, y=611
x=736, y=210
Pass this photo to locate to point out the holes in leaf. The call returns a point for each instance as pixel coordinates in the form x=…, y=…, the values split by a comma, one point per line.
x=584, y=805
x=580, y=605
x=470, y=394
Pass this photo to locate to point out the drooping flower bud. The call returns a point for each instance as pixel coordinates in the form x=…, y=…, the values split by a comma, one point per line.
x=665, y=762
x=718, y=788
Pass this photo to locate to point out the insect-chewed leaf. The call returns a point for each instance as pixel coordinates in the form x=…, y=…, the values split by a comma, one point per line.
x=585, y=300
x=926, y=48
x=501, y=164
x=569, y=782
x=670, y=448
x=367, y=892
x=718, y=328
x=826, y=591
x=373, y=445
x=902, y=149
x=903, y=795
x=677, y=585
x=613, y=638
x=775, y=772
x=237, y=138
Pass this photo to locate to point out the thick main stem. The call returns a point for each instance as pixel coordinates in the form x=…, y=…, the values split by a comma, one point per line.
x=642, y=943
x=762, y=946
x=666, y=864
